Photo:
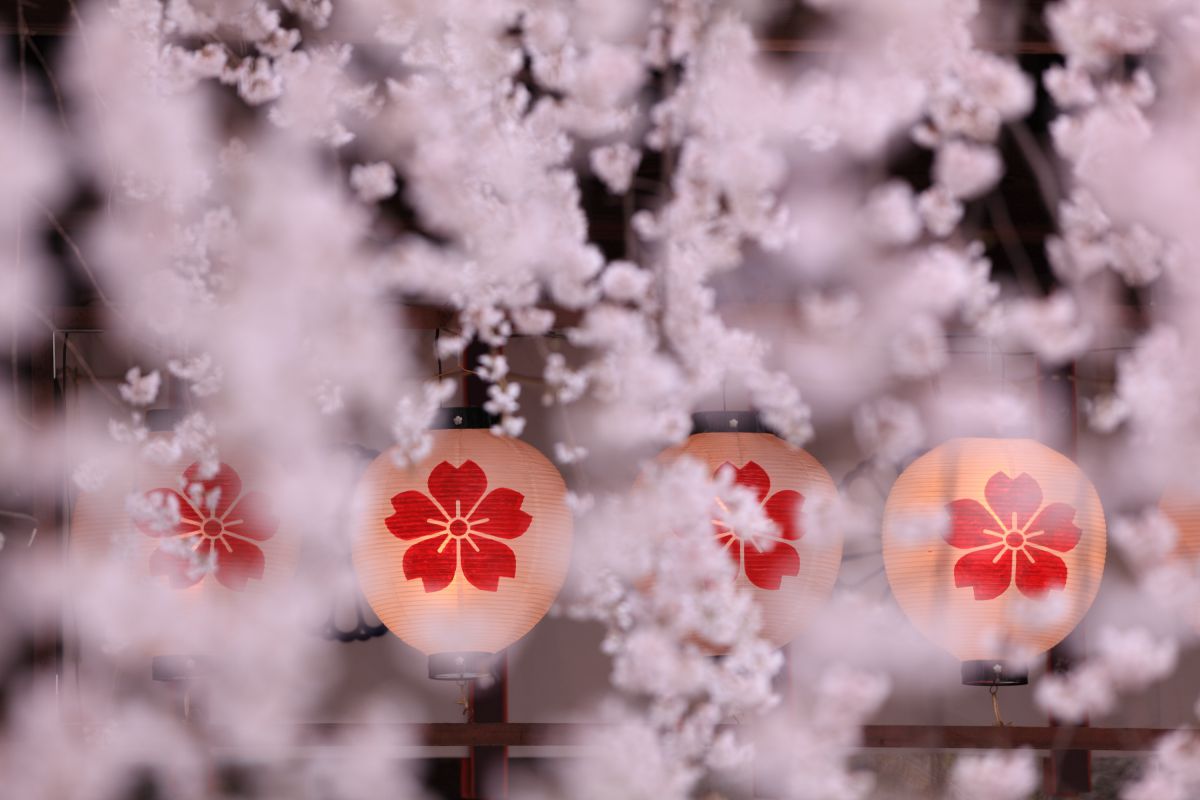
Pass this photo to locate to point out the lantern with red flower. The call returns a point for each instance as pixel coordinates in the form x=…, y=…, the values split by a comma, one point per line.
x=791, y=571
x=994, y=549
x=1180, y=504
x=210, y=531
x=212, y=522
x=462, y=553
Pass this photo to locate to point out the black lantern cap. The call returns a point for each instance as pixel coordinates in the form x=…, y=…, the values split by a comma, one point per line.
x=462, y=418
x=159, y=420
x=728, y=422
x=993, y=673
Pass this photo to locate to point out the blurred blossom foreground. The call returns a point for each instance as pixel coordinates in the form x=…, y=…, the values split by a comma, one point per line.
x=599, y=399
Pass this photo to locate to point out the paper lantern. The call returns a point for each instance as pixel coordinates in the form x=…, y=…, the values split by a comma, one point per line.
x=215, y=539
x=994, y=548
x=462, y=554
x=794, y=574
x=1181, y=505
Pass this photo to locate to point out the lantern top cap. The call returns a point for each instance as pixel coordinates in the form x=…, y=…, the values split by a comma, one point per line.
x=462, y=418
x=728, y=422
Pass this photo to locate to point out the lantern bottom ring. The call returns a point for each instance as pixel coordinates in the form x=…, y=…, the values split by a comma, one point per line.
x=993, y=673
x=462, y=666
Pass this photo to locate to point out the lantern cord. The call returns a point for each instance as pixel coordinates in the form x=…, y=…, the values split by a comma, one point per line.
x=464, y=700
x=437, y=351
x=994, y=691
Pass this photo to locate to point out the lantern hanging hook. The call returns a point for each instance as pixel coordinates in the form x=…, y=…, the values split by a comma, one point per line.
x=994, y=691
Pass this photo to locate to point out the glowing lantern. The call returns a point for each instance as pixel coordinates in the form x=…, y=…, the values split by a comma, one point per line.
x=793, y=575
x=462, y=554
x=215, y=538
x=994, y=549
x=1181, y=505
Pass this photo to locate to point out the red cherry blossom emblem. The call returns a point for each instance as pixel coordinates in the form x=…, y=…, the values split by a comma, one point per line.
x=221, y=520
x=764, y=568
x=457, y=525
x=1011, y=539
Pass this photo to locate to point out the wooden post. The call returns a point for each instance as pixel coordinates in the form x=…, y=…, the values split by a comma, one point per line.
x=1066, y=773
x=45, y=642
x=485, y=770
x=486, y=767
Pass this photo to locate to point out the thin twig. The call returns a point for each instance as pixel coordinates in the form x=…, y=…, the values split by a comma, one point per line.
x=998, y=210
x=112, y=398
x=1043, y=171
x=79, y=258
x=26, y=517
x=58, y=100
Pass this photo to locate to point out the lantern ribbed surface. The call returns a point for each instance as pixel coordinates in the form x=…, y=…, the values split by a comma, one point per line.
x=1182, y=507
x=230, y=517
x=994, y=548
x=466, y=551
x=794, y=575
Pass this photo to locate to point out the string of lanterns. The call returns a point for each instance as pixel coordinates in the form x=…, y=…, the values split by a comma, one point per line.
x=994, y=548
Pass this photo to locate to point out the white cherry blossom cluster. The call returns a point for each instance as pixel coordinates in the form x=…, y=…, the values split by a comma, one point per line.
x=665, y=616
x=278, y=179
x=1124, y=661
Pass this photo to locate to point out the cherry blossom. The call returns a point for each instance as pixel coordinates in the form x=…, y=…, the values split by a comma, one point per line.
x=373, y=182
x=253, y=190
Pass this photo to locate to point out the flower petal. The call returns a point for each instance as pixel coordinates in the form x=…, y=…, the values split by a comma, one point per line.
x=413, y=512
x=1018, y=496
x=486, y=561
x=237, y=562
x=251, y=518
x=189, y=520
x=784, y=510
x=226, y=480
x=500, y=514
x=980, y=569
x=1055, y=528
x=1046, y=571
x=968, y=521
x=751, y=476
x=457, y=489
x=766, y=568
x=177, y=569
x=423, y=560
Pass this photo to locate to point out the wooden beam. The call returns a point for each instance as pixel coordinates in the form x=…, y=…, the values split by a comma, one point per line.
x=785, y=45
x=974, y=737
x=1031, y=47
x=917, y=737
x=408, y=317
